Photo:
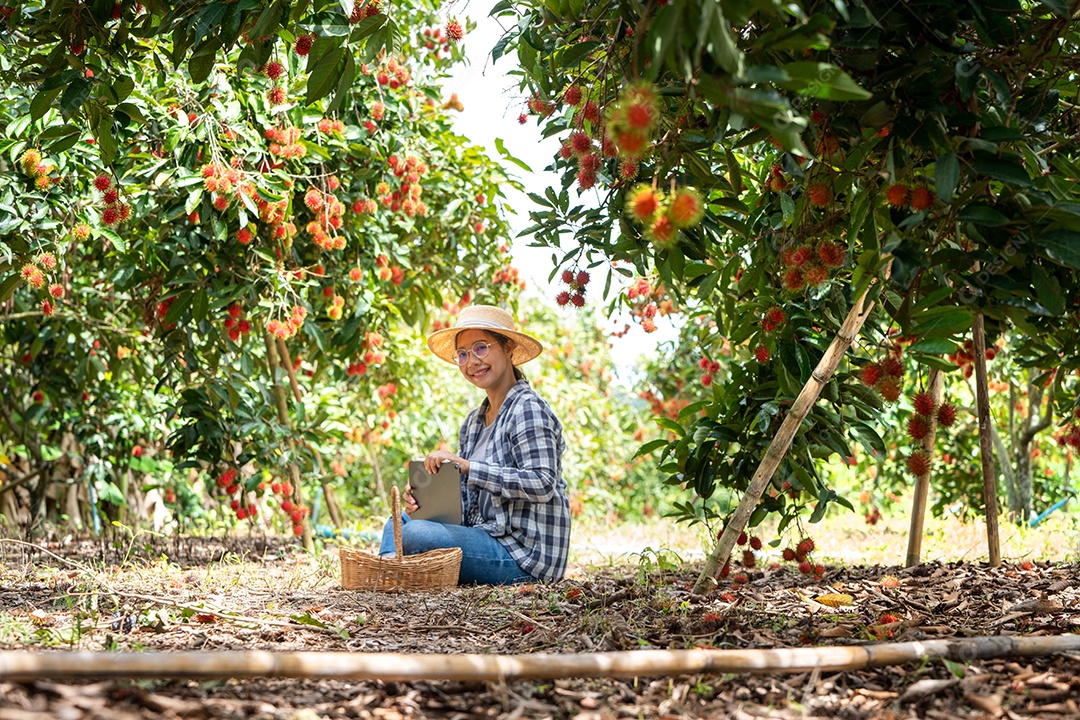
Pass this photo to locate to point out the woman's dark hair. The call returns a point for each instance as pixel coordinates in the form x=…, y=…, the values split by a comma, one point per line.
x=502, y=340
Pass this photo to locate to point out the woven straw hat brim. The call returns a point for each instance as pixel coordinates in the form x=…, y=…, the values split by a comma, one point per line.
x=484, y=317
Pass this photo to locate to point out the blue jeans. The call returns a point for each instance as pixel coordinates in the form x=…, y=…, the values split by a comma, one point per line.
x=484, y=560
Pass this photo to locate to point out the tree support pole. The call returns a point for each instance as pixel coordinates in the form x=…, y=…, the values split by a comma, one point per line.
x=986, y=441
x=782, y=440
x=23, y=666
x=328, y=493
x=922, y=483
x=283, y=418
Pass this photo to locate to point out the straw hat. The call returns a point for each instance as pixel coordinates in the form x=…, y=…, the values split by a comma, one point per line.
x=484, y=317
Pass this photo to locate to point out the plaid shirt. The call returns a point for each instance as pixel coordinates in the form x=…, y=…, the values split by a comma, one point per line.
x=523, y=474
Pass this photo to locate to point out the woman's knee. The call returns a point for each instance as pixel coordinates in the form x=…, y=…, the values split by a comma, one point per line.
x=419, y=536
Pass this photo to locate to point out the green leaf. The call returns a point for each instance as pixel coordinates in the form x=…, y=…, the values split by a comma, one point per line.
x=1048, y=290
x=368, y=26
x=574, y=54
x=982, y=214
x=7, y=287
x=946, y=175
x=722, y=45
x=1003, y=169
x=822, y=80
x=348, y=75
x=118, y=242
x=42, y=102
x=669, y=424
x=324, y=76
x=505, y=154
x=74, y=96
x=1061, y=246
x=132, y=111
x=661, y=36
x=268, y=21
x=933, y=361
x=200, y=65
x=106, y=141
x=935, y=346
x=953, y=319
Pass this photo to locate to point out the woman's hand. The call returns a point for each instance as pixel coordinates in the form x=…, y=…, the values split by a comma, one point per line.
x=437, y=459
x=409, y=501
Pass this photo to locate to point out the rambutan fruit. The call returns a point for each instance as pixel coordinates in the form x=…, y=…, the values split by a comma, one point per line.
x=917, y=427
x=918, y=463
x=687, y=207
x=630, y=143
x=889, y=389
x=923, y=404
x=102, y=182
x=761, y=354
x=921, y=198
x=819, y=193
x=794, y=280
x=303, y=44
x=454, y=31
x=892, y=367
x=572, y=95
x=580, y=143
x=800, y=256
x=642, y=202
x=273, y=70
x=946, y=415
x=832, y=254
x=775, y=315
x=897, y=194
x=871, y=374
x=662, y=231
x=816, y=275
x=805, y=546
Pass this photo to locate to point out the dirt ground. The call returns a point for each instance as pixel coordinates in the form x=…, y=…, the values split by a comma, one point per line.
x=205, y=595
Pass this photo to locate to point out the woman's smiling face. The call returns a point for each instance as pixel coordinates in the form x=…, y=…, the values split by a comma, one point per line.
x=493, y=369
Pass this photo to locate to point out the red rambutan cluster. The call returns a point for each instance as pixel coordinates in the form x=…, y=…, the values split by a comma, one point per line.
x=575, y=281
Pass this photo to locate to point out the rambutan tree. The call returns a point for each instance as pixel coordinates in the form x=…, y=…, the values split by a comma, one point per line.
x=773, y=166
x=210, y=210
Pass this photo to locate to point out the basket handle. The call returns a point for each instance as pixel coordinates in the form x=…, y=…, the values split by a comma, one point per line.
x=395, y=513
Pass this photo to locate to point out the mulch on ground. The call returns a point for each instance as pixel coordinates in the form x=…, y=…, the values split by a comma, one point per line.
x=240, y=594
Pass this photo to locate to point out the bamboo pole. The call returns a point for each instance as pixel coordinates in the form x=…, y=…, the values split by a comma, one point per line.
x=986, y=442
x=23, y=666
x=782, y=440
x=922, y=483
x=331, y=503
x=283, y=417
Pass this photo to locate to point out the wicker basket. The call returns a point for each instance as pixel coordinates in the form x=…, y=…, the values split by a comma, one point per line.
x=432, y=570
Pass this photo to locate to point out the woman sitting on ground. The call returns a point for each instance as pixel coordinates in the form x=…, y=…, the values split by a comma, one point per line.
x=515, y=512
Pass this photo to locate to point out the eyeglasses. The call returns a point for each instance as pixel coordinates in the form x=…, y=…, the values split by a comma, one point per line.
x=480, y=350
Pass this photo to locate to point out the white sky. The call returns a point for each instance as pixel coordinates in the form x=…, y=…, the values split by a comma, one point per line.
x=492, y=104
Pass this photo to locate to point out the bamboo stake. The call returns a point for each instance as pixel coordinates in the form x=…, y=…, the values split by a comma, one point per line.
x=986, y=442
x=331, y=503
x=283, y=417
x=922, y=483
x=782, y=440
x=23, y=666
